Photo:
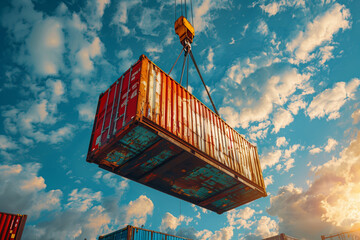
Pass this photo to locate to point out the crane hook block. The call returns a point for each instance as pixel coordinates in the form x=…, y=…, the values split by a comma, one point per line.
x=185, y=30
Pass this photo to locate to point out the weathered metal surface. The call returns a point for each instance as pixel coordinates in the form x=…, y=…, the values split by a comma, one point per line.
x=165, y=138
x=11, y=226
x=135, y=233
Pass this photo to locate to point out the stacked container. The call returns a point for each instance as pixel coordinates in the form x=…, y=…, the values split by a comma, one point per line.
x=11, y=226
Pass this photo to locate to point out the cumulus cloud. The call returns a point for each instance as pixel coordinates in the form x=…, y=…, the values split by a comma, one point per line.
x=268, y=180
x=281, y=141
x=83, y=200
x=270, y=159
x=93, y=13
x=266, y=227
x=315, y=150
x=278, y=6
x=126, y=57
x=23, y=191
x=275, y=91
x=31, y=117
x=86, y=112
x=260, y=131
x=329, y=102
x=330, y=204
x=331, y=144
x=6, y=143
x=210, y=57
x=169, y=222
x=289, y=164
x=86, y=55
x=263, y=28
x=282, y=118
x=356, y=116
x=241, y=218
x=120, y=18
x=319, y=31
x=225, y=233
x=150, y=20
x=138, y=210
x=203, y=16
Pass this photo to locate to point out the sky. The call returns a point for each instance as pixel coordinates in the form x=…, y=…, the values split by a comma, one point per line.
x=283, y=73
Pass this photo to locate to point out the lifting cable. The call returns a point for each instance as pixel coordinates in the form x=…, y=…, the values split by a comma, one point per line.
x=202, y=80
x=188, y=51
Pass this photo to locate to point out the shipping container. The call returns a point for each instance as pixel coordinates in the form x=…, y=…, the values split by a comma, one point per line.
x=11, y=226
x=150, y=129
x=135, y=233
x=281, y=236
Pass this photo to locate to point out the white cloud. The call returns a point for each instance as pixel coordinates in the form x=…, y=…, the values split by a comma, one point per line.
x=58, y=135
x=245, y=29
x=331, y=100
x=289, y=164
x=240, y=70
x=126, y=57
x=116, y=182
x=356, y=116
x=278, y=6
x=138, y=210
x=319, y=31
x=170, y=222
x=203, y=13
x=282, y=118
x=270, y=159
x=266, y=227
x=86, y=112
x=281, y=141
x=232, y=41
x=93, y=13
x=22, y=190
x=315, y=150
x=241, y=218
x=294, y=106
x=150, y=20
x=326, y=53
x=210, y=66
x=331, y=144
x=291, y=150
x=333, y=196
x=45, y=47
x=83, y=200
x=86, y=56
x=6, y=143
x=268, y=180
x=121, y=15
x=263, y=28
x=276, y=90
x=260, y=131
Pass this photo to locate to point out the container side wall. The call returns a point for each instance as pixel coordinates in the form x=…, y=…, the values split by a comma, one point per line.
x=116, y=108
x=174, y=109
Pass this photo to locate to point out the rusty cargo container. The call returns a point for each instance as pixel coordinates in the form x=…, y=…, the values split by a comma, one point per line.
x=135, y=233
x=150, y=129
x=11, y=226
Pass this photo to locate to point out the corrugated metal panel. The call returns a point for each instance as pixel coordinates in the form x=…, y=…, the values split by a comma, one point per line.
x=11, y=226
x=155, y=127
x=135, y=233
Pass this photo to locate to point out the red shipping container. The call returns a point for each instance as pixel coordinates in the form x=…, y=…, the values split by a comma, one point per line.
x=150, y=129
x=11, y=226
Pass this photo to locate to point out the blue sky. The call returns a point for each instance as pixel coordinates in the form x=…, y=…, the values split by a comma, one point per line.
x=284, y=73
